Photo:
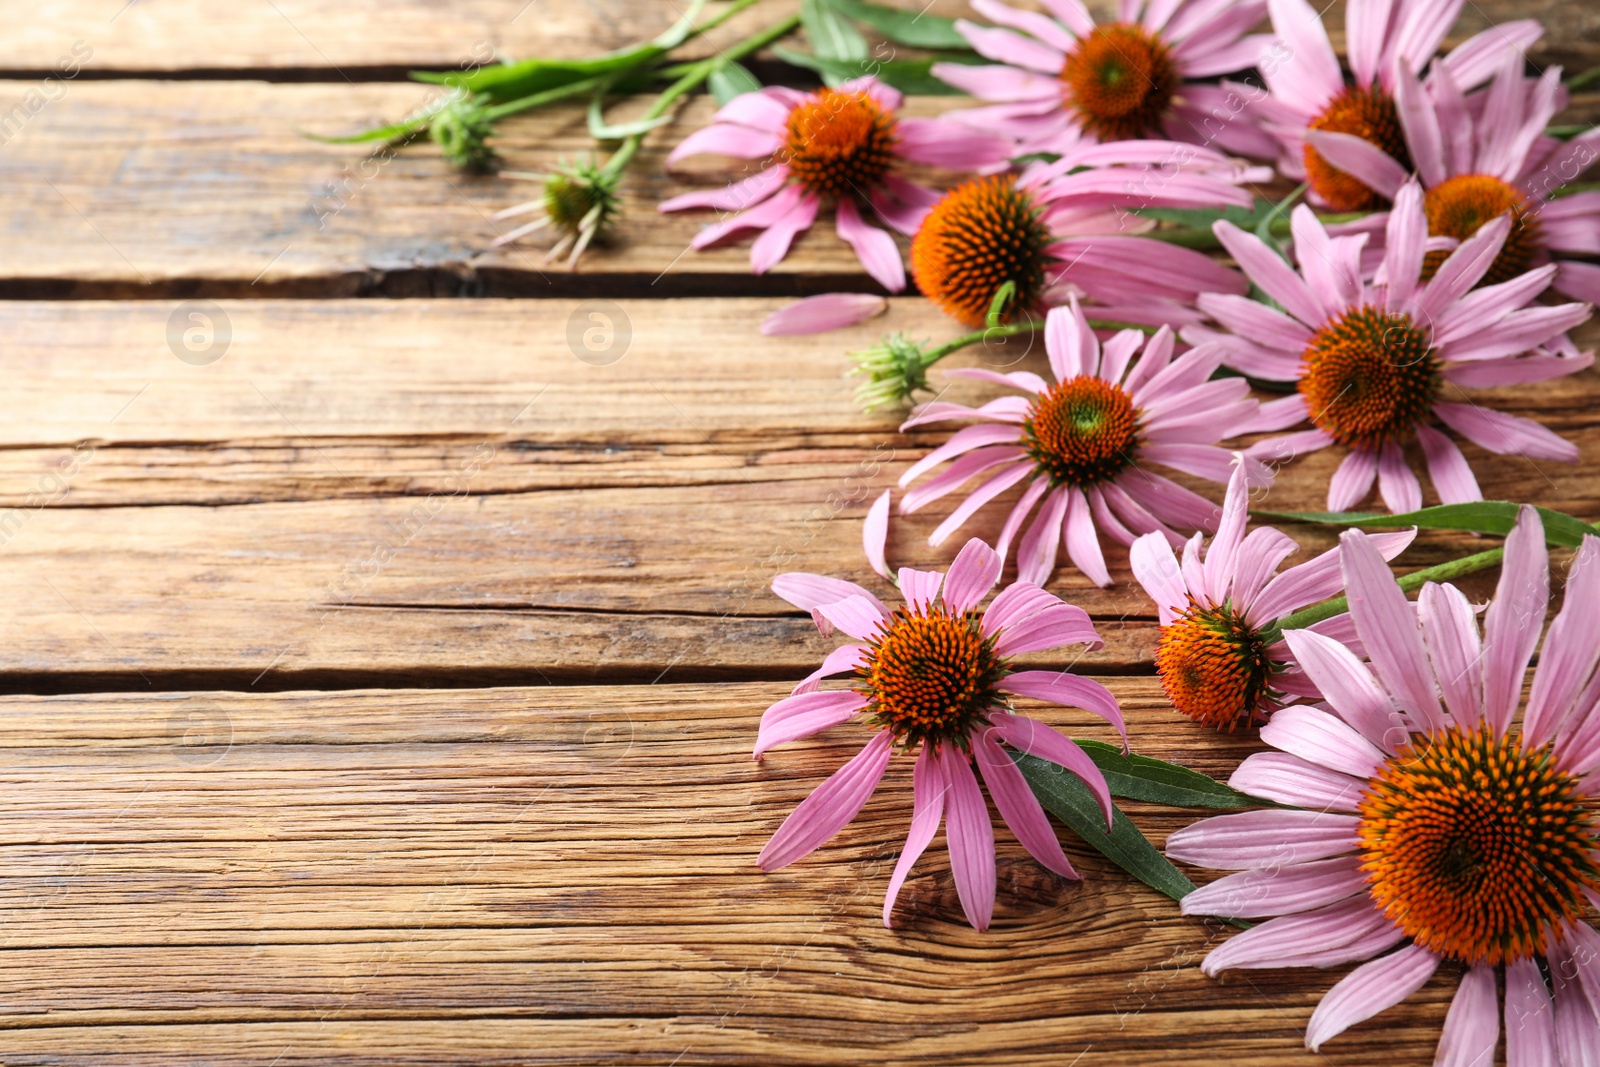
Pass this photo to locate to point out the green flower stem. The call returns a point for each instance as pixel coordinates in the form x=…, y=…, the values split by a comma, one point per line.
x=1584, y=80
x=1014, y=329
x=692, y=79
x=549, y=96
x=1443, y=572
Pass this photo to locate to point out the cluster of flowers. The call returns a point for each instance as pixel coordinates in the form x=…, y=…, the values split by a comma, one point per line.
x=1424, y=818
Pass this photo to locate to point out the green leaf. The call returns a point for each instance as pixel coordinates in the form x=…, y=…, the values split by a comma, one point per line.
x=731, y=80
x=832, y=37
x=1202, y=218
x=512, y=81
x=912, y=76
x=1483, y=516
x=905, y=27
x=393, y=132
x=1136, y=777
x=1070, y=801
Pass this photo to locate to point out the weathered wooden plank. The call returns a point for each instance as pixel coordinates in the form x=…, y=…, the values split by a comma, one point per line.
x=335, y=40
x=270, y=519
x=158, y=189
x=326, y=39
x=566, y=875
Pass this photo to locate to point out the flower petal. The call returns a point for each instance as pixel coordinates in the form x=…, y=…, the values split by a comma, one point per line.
x=1037, y=739
x=1259, y=894
x=1271, y=839
x=829, y=807
x=1070, y=690
x=970, y=836
x=819, y=314
x=855, y=615
x=1514, y=619
x=1369, y=989
x=927, y=808
x=1472, y=1025
x=804, y=714
x=1388, y=628
x=972, y=575
x=874, y=248
x=874, y=534
x=1018, y=806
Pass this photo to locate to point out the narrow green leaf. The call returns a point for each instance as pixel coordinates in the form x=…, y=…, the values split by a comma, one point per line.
x=832, y=37
x=512, y=81
x=730, y=80
x=1483, y=516
x=391, y=132
x=1070, y=801
x=905, y=27
x=1136, y=777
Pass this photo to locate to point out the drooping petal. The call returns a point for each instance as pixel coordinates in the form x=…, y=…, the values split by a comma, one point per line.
x=804, y=714
x=1083, y=544
x=875, y=533
x=971, y=838
x=854, y=615
x=1156, y=568
x=1071, y=690
x=1018, y=806
x=808, y=592
x=1037, y=739
x=874, y=248
x=927, y=808
x=830, y=806
x=1369, y=989
x=1447, y=467
x=1472, y=1025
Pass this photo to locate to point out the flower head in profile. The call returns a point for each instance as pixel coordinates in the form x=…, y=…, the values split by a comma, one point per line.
x=1427, y=823
x=1374, y=361
x=1084, y=443
x=1489, y=157
x=935, y=676
x=1221, y=656
x=1334, y=135
x=1140, y=76
x=1066, y=228
x=839, y=145
x=578, y=202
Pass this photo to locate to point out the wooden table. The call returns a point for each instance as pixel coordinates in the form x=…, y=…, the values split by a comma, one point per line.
x=383, y=669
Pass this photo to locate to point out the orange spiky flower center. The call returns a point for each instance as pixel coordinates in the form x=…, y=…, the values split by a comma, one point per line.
x=1369, y=377
x=839, y=144
x=1458, y=207
x=1478, y=848
x=930, y=675
x=1371, y=115
x=1120, y=79
x=1214, y=666
x=981, y=234
x=1082, y=431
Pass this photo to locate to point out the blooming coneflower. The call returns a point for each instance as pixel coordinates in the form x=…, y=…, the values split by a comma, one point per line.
x=1330, y=132
x=841, y=145
x=1083, y=445
x=1221, y=656
x=1065, y=228
x=1435, y=822
x=1373, y=362
x=1128, y=79
x=935, y=675
x=579, y=202
x=1477, y=163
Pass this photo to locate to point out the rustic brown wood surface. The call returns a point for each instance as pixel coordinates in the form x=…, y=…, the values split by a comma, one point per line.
x=381, y=690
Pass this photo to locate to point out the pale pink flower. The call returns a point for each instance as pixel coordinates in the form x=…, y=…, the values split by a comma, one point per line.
x=1221, y=656
x=1374, y=361
x=1335, y=135
x=937, y=673
x=1065, y=229
x=1425, y=819
x=1488, y=155
x=842, y=145
x=1137, y=77
x=1083, y=445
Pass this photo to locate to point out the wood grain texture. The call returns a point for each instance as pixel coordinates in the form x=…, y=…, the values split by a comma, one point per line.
x=268, y=519
x=142, y=189
x=567, y=876
x=328, y=39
